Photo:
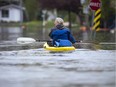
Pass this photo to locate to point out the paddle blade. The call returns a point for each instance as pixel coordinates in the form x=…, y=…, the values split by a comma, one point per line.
x=25, y=40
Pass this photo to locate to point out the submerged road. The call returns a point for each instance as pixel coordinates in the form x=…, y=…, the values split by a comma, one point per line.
x=40, y=68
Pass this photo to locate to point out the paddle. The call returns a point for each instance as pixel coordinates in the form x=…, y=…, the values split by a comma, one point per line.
x=28, y=40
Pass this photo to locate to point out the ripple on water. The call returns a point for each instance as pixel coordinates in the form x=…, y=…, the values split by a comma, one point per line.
x=32, y=52
x=37, y=67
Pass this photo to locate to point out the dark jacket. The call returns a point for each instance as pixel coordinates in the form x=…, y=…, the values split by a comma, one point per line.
x=61, y=32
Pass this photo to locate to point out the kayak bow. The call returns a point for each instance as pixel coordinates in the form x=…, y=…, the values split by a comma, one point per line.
x=58, y=49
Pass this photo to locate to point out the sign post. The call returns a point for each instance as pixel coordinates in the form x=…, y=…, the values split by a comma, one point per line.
x=95, y=5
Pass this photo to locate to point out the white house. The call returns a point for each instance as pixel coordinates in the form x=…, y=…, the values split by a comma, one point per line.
x=11, y=13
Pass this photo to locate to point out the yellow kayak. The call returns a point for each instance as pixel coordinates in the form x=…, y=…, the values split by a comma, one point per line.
x=58, y=49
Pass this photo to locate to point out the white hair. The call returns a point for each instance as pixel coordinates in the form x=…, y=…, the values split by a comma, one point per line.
x=59, y=20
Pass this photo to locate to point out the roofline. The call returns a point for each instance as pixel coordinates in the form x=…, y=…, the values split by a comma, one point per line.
x=12, y=5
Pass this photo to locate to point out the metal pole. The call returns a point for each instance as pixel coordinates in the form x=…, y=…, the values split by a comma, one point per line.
x=92, y=32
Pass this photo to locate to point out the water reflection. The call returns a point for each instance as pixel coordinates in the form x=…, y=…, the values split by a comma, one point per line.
x=8, y=36
x=10, y=33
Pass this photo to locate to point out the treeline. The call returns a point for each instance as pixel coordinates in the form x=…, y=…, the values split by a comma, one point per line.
x=34, y=9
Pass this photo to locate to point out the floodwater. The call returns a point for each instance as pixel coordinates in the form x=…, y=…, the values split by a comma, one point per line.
x=35, y=67
x=40, y=68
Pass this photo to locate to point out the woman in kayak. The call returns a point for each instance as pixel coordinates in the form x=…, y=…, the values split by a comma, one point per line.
x=61, y=35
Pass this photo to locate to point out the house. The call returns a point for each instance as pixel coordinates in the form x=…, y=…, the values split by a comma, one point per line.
x=11, y=13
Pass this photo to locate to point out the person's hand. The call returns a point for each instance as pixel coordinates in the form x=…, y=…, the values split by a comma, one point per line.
x=51, y=39
x=79, y=41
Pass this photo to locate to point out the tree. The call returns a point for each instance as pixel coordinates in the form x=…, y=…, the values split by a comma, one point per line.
x=73, y=5
x=7, y=2
x=108, y=13
x=68, y=5
x=31, y=8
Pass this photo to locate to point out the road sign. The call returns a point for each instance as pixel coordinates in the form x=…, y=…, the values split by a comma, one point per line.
x=96, y=21
x=95, y=4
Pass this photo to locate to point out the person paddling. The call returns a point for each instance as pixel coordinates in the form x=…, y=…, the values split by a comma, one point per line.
x=61, y=35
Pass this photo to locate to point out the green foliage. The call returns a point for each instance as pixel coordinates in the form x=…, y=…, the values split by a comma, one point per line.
x=66, y=5
x=34, y=23
x=31, y=8
x=107, y=9
x=108, y=47
x=105, y=37
x=73, y=17
x=108, y=13
x=50, y=24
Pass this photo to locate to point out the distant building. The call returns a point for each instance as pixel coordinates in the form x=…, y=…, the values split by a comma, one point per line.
x=11, y=13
